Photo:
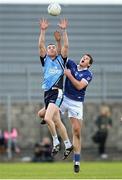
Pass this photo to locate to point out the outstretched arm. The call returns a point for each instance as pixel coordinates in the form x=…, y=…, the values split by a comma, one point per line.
x=57, y=36
x=63, y=25
x=78, y=84
x=43, y=26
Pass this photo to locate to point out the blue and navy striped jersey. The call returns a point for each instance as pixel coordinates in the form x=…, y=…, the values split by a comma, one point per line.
x=70, y=91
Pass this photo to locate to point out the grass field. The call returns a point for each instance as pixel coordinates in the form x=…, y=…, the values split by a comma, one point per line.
x=89, y=170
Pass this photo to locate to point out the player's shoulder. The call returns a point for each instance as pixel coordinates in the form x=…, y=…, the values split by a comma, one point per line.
x=71, y=61
x=89, y=72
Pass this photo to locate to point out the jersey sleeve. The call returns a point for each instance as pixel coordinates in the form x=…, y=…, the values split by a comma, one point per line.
x=87, y=77
x=42, y=59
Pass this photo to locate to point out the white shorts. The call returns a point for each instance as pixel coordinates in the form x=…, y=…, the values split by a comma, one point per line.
x=74, y=108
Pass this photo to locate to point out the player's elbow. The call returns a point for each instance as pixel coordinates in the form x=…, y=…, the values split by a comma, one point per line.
x=66, y=46
x=40, y=45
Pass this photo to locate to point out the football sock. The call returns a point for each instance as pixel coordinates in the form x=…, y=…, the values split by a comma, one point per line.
x=67, y=144
x=76, y=159
x=55, y=140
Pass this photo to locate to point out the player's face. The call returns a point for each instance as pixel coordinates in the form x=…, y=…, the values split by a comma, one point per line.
x=51, y=50
x=84, y=62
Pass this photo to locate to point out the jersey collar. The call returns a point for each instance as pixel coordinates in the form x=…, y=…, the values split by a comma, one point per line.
x=81, y=69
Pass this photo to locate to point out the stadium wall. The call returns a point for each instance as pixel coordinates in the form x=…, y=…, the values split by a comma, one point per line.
x=24, y=118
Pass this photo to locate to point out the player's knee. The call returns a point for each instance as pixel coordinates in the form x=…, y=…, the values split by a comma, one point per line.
x=77, y=132
x=40, y=114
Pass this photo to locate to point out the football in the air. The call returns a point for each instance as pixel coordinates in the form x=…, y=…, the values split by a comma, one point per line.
x=54, y=9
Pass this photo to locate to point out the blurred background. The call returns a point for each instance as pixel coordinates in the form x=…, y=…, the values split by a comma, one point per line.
x=93, y=29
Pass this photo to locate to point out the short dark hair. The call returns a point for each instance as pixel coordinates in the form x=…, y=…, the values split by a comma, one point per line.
x=91, y=59
x=51, y=44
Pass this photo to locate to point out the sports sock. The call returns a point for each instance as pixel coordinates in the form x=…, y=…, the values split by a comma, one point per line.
x=67, y=144
x=55, y=140
x=76, y=159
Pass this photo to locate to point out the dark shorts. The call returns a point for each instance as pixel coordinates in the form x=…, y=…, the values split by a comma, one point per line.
x=53, y=96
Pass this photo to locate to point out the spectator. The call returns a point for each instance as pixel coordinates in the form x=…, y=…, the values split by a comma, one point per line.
x=13, y=135
x=42, y=151
x=103, y=123
x=38, y=153
x=47, y=149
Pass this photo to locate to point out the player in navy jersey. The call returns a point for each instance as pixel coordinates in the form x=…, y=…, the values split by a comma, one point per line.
x=53, y=68
x=77, y=79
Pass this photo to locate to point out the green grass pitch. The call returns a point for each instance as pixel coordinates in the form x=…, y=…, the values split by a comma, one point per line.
x=61, y=170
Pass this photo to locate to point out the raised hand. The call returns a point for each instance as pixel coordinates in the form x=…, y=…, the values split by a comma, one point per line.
x=63, y=24
x=57, y=36
x=44, y=24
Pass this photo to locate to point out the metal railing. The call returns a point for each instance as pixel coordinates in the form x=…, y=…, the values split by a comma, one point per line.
x=26, y=86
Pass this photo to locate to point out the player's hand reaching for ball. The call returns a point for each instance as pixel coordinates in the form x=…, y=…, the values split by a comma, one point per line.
x=63, y=24
x=44, y=24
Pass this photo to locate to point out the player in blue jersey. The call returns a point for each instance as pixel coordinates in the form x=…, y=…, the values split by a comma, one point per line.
x=77, y=79
x=53, y=68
